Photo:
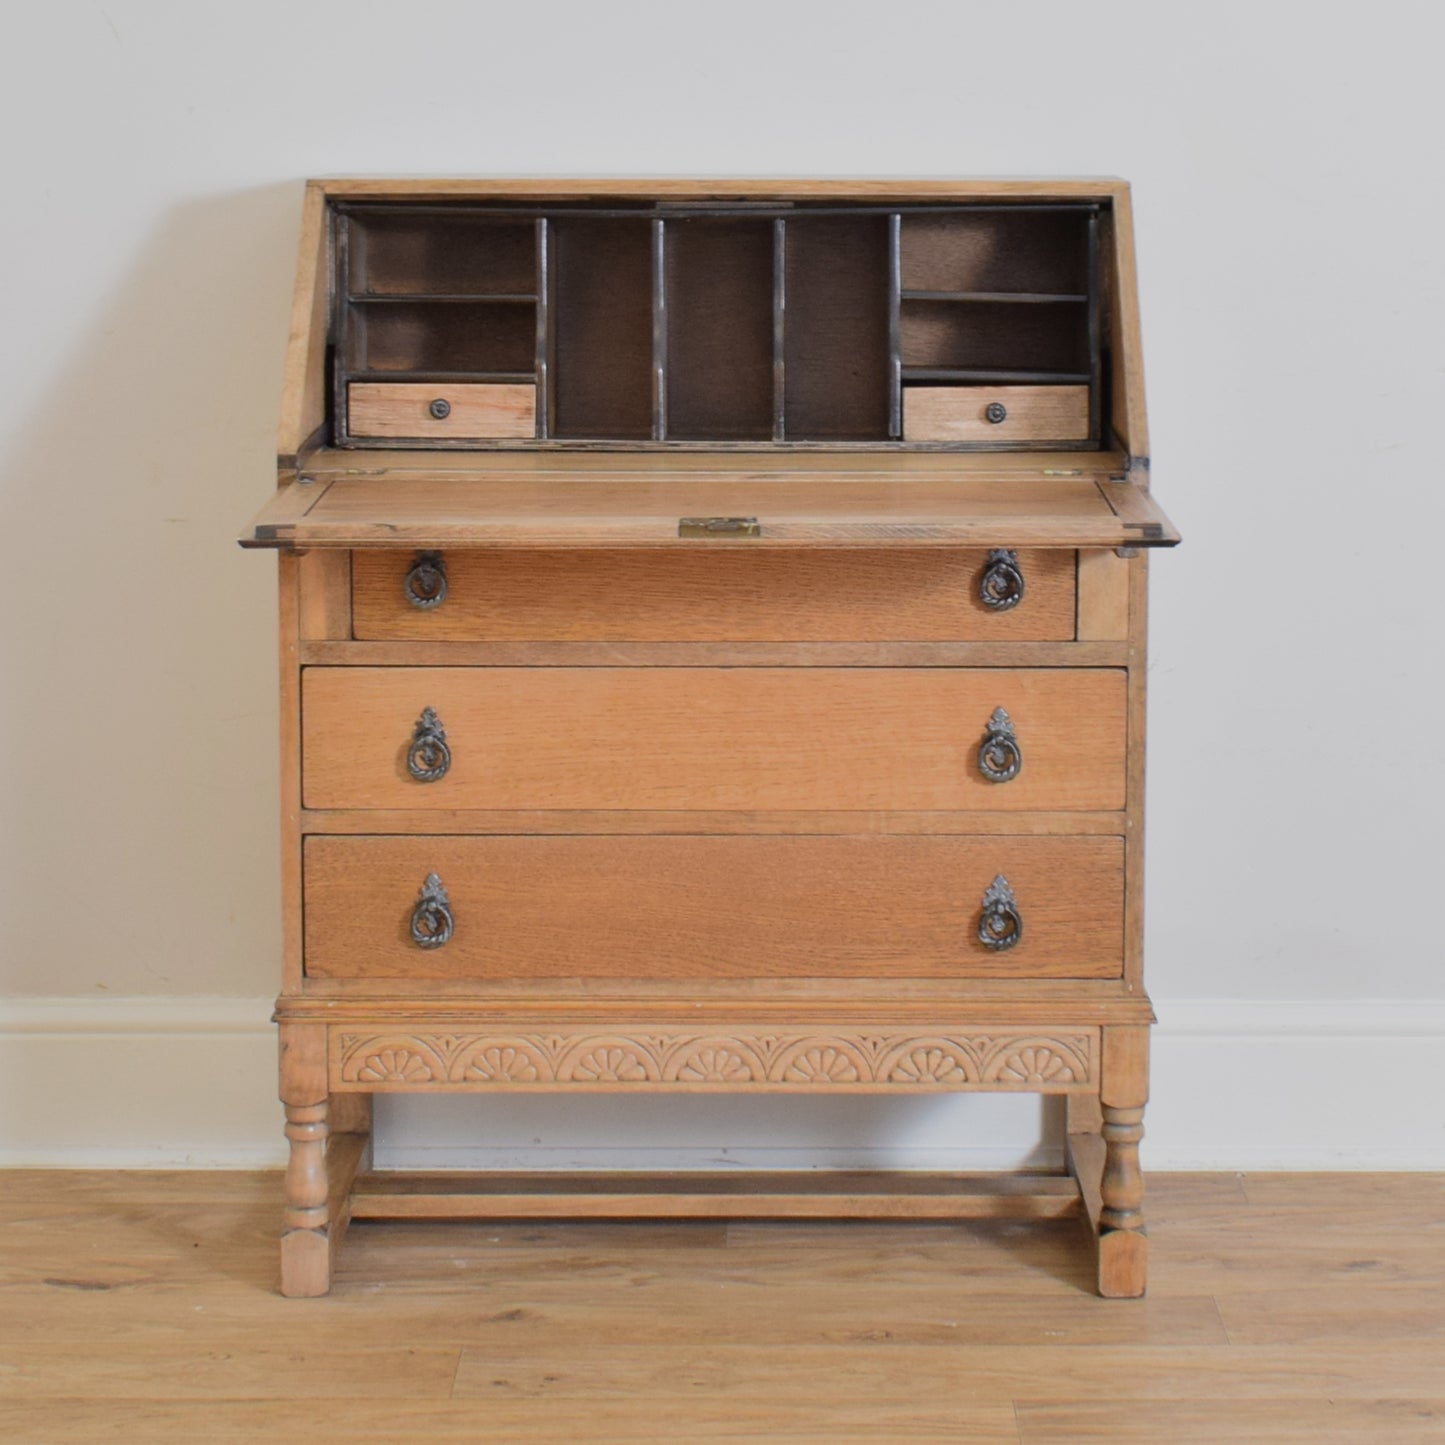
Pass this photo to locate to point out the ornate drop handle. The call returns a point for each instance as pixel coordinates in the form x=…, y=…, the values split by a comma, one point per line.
x=428, y=757
x=1002, y=584
x=426, y=584
x=431, y=918
x=999, y=925
x=1000, y=757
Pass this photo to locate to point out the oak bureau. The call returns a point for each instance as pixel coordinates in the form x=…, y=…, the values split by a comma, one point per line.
x=712, y=628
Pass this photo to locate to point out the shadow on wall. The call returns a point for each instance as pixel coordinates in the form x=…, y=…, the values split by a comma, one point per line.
x=775, y=1131
x=139, y=775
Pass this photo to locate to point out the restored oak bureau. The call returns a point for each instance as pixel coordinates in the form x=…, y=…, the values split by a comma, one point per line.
x=712, y=627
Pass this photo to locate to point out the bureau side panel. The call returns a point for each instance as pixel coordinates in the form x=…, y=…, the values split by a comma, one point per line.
x=289, y=626
x=1138, y=687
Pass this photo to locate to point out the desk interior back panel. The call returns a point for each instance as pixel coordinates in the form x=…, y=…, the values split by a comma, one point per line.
x=718, y=297
x=435, y=254
x=602, y=309
x=837, y=343
x=995, y=251
x=475, y=338
x=997, y=339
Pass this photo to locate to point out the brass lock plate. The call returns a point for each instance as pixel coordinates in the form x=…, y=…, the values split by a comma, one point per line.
x=718, y=527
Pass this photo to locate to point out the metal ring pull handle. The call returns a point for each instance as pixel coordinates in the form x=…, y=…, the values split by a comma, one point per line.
x=999, y=925
x=1000, y=757
x=431, y=918
x=1002, y=583
x=426, y=583
x=428, y=757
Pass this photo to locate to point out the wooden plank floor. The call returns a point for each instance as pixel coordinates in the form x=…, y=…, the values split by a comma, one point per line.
x=141, y=1307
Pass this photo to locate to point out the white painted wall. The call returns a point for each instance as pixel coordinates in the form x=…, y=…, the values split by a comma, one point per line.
x=1290, y=218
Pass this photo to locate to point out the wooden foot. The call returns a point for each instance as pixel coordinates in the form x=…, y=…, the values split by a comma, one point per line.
x=305, y=1240
x=1103, y=1155
x=348, y=1157
x=330, y=1146
x=1123, y=1092
x=1123, y=1245
x=305, y=1237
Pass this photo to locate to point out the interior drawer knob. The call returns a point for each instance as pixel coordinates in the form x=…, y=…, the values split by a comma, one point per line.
x=431, y=918
x=428, y=757
x=426, y=583
x=999, y=756
x=1002, y=583
x=999, y=925
x=441, y=409
x=995, y=411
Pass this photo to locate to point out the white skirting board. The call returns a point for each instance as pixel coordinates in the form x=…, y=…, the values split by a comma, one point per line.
x=189, y=1082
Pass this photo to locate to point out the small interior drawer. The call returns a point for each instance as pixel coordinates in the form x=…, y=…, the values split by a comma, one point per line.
x=695, y=907
x=470, y=410
x=925, y=594
x=995, y=413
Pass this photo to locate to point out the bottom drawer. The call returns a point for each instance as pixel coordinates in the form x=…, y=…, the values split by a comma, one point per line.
x=692, y=907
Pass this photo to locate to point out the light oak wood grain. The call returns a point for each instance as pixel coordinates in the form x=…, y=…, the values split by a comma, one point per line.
x=773, y=1003
x=403, y=409
x=1302, y=1420
x=732, y=1058
x=714, y=654
x=142, y=1307
x=840, y=1195
x=324, y=603
x=959, y=413
x=852, y=510
x=717, y=595
x=724, y=188
x=688, y=727
x=480, y=820
x=287, y=505
x=713, y=906
x=288, y=628
x=513, y=1416
x=1136, y=731
x=1316, y=1313
x=699, y=460
x=1121, y=1237
x=1119, y=263
x=303, y=388
x=729, y=738
x=305, y=1245
x=1103, y=597
x=123, y=1373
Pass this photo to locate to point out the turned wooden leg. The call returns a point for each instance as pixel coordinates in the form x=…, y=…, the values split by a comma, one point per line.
x=1123, y=1092
x=305, y=1238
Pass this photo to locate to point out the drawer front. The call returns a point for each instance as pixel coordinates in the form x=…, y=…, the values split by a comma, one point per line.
x=712, y=738
x=995, y=413
x=712, y=907
x=718, y=595
x=470, y=410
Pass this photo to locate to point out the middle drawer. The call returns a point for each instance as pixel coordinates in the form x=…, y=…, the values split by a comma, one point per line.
x=833, y=739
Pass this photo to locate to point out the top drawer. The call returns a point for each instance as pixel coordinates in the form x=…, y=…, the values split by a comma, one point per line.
x=927, y=594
